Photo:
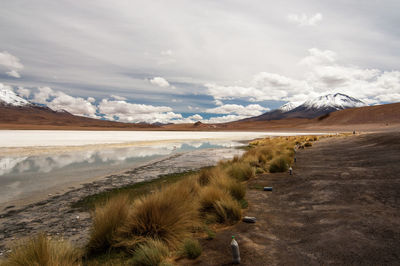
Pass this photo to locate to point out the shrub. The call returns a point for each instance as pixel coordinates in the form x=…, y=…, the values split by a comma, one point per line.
x=191, y=248
x=149, y=253
x=241, y=171
x=278, y=165
x=168, y=215
x=227, y=211
x=308, y=144
x=40, y=250
x=237, y=190
x=106, y=220
x=217, y=205
x=209, y=174
x=210, y=233
x=209, y=195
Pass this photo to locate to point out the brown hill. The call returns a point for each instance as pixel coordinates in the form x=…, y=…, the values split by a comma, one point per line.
x=37, y=117
x=364, y=118
x=386, y=113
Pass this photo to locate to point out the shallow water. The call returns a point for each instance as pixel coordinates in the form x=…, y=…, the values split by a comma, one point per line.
x=23, y=176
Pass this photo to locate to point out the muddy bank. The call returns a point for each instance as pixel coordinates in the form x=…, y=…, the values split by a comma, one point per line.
x=341, y=207
x=55, y=216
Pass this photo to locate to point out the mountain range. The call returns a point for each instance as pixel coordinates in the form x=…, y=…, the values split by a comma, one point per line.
x=333, y=111
x=16, y=112
x=311, y=108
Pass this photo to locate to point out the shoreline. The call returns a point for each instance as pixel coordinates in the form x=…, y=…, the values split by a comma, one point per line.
x=56, y=216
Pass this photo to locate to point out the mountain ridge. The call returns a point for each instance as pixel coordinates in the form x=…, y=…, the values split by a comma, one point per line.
x=311, y=108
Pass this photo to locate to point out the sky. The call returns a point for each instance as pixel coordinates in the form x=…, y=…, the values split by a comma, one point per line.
x=187, y=61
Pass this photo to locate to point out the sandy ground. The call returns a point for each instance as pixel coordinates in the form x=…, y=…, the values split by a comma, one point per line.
x=341, y=207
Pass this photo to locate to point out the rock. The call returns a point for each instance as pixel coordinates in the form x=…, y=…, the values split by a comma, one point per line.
x=249, y=219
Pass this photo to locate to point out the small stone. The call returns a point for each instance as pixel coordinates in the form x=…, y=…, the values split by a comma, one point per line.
x=77, y=217
x=249, y=219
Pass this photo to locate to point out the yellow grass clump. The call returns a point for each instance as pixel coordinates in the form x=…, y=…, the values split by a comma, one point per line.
x=169, y=215
x=42, y=251
x=149, y=253
x=106, y=220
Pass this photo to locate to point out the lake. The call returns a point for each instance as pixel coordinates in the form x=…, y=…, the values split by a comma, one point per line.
x=37, y=162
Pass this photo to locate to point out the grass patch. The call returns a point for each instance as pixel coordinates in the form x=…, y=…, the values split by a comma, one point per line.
x=169, y=215
x=210, y=233
x=278, y=165
x=106, y=220
x=133, y=191
x=241, y=171
x=150, y=253
x=227, y=211
x=40, y=250
x=191, y=248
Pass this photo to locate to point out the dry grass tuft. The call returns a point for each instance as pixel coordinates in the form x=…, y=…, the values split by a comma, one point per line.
x=279, y=165
x=218, y=205
x=168, y=215
x=106, y=220
x=227, y=211
x=242, y=171
x=191, y=248
x=41, y=251
x=149, y=253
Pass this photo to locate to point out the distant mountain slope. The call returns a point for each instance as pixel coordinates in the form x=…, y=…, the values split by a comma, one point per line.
x=33, y=116
x=385, y=114
x=9, y=98
x=16, y=112
x=312, y=108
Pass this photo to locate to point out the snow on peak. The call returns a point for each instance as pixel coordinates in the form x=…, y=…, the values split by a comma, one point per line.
x=337, y=101
x=288, y=107
x=9, y=97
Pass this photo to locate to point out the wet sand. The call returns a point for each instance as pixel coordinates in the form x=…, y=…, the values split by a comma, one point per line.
x=341, y=207
x=55, y=216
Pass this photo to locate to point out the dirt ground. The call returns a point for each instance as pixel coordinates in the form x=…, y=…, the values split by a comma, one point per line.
x=341, y=207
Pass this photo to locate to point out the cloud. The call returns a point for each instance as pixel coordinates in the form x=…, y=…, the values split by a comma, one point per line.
x=23, y=92
x=119, y=98
x=159, y=81
x=305, y=20
x=13, y=73
x=322, y=75
x=134, y=113
x=318, y=57
x=218, y=102
x=195, y=117
x=11, y=63
x=166, y=52
x=58, y=101
x=263, y=86
x=249, y=110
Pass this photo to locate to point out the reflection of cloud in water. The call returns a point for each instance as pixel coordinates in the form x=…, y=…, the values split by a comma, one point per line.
x=48, y=163
x=8, y=163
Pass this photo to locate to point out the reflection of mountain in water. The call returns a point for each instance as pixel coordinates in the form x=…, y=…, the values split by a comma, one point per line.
x=47, y=163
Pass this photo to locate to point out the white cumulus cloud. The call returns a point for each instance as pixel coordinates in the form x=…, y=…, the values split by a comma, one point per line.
x=58, y=100
x=322, y=75
x=23, y=92
x=11, y=63
x=129, y=112
x=159, y=81
x=305, y=20
x=249, y=110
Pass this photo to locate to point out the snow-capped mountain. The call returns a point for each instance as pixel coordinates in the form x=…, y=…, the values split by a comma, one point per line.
x=311, y=108
x=8, y=97
x=337, y=101
x=287, y=107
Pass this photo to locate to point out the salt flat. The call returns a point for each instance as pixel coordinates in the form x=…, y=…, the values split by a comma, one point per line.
x=40, y=138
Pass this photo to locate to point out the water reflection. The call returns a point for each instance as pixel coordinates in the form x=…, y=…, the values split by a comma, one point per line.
x=19, y=175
